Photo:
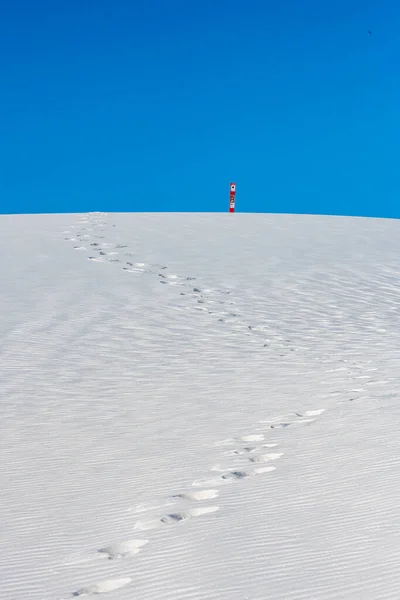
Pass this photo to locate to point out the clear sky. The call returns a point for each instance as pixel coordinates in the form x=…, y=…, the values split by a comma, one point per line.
x=156, y=105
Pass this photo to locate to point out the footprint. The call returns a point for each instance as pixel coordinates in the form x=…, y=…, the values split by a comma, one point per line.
x=124, y=549
x=185, y=515
x=198, y=496
x=255, y=437
x=250, y=449
x=217, y=468
x=261, y=470
x=252, y=438
x=228, y=477
x=235, y=475
x=292, y=424
x=170, y=279
x=245, y=450
x=137, y=268
x=266, y=457
x=203, y=510
x=103, y=587
x=96, y=259
x=311, y=413
x=281, y=424
x=175, y=518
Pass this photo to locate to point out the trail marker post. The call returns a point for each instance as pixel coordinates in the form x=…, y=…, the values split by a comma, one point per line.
x=232, y=198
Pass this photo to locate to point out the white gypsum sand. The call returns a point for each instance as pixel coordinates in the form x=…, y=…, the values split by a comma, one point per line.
x=150, y=362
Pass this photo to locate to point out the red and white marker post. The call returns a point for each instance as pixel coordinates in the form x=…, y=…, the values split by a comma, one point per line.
x=232, y=198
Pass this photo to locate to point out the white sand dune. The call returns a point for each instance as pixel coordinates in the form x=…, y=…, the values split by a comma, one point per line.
x=199, y=406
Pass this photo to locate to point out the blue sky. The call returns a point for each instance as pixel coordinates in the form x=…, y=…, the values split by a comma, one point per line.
x=156, y=106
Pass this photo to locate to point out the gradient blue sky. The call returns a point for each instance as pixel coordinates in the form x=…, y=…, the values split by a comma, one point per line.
x=157, y=105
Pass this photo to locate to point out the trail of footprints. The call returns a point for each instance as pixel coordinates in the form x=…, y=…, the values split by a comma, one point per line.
x=242, y=458
x=88, y=236
x=245, y=457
